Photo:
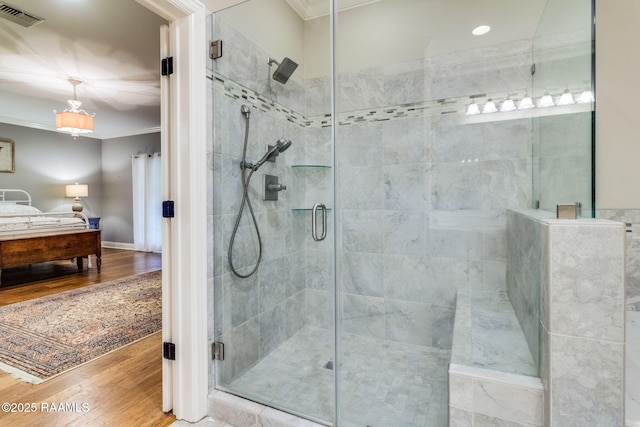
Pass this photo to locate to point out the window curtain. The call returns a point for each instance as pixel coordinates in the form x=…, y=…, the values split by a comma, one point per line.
x=147, y=204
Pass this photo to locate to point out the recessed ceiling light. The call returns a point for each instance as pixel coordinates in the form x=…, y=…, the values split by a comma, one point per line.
x=482, y=29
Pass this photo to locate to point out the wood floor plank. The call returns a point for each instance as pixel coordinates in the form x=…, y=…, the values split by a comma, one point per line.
x=122, y=388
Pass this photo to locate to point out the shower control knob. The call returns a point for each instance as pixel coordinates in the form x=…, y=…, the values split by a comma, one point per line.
x=276, y=187
x=272, y=187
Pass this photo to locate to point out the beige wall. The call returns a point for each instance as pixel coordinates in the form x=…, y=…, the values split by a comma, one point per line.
x=617, y=94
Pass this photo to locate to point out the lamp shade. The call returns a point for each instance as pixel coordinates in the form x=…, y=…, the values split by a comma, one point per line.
x=508, y=105
x=526, y=103
x=566, y=98
x=473, y=109
x=74, y=120
x=546, y=101
x=489, y=107
x=74, y=123
x=77, y=190
x=586, y=97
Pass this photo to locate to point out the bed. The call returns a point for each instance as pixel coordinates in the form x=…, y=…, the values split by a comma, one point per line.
x=29, y=236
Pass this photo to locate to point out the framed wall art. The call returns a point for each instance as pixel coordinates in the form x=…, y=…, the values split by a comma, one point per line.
x=7, y=155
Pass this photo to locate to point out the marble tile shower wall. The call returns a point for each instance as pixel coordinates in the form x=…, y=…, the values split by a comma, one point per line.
x=423, y=199
x=253, y=316
x=523, y=275
x=316, y=187
x=583, y=322
x=246, y=63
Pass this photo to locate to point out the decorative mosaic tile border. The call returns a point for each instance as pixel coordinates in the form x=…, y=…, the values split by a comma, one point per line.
x=239, y=92
x=416, y=109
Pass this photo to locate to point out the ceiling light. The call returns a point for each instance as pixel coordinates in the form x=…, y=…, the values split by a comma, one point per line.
x=74, y=120
x=546, y=101
x=566, y=98
x=481, y=30
x=489, y=107
x=472, y=109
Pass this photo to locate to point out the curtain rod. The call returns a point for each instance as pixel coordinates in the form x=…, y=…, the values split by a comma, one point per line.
x=135, y=156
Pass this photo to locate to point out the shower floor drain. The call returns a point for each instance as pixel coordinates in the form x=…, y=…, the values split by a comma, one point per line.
x=329, y=365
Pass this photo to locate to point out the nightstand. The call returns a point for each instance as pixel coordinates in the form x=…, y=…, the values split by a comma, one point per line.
x=94, y=223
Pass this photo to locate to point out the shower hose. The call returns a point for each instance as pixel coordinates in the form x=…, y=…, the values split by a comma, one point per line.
x=245, y=202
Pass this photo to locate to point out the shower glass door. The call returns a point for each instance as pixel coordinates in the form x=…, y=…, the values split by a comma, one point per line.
x=396, y=301
x=563, y=146
x=274, y=289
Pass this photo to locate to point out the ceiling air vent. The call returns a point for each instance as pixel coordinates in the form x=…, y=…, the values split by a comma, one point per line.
x=18, y=16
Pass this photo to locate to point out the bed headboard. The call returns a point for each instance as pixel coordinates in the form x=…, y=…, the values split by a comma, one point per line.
x=15, y=196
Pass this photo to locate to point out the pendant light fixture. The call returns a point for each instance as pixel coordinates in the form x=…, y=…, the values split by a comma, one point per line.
x=472, y=109
x=73, y=120
x=586, y=97
x=566, y=98
x=507, y=105
x=526, y=103
x=546, y=100
x=489, y=107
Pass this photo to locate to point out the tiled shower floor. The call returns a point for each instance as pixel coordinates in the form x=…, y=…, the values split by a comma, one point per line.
x=382, y=383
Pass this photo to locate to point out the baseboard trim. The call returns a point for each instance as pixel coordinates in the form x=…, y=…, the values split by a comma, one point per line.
x=118, y=245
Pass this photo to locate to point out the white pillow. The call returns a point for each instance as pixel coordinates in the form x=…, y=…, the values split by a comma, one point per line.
x=12, y=208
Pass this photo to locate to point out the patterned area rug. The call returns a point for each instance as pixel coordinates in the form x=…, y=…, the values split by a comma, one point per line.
x=47, y=336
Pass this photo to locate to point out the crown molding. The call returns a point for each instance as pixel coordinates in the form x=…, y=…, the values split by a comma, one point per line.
x=312, y=9
x=93, y=135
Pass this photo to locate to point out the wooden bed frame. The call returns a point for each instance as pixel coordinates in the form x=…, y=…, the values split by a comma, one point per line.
x=26, y=248
x=31, y=248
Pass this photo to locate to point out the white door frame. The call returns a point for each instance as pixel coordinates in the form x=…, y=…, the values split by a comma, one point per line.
x=184, y=260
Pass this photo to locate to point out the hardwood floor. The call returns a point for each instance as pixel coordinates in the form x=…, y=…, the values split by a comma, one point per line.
x=123, y=388
x=23, y=283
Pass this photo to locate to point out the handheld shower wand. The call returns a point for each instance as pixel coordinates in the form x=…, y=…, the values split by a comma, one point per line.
x=281, y=145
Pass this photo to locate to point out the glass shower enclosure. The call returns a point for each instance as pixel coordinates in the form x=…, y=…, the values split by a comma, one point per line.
x=339, y=264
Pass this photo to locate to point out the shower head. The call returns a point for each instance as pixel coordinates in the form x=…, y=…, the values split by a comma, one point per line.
x=281, y=145
x=284, y=70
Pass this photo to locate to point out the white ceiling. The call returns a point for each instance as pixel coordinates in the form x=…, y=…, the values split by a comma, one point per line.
x=111, y=46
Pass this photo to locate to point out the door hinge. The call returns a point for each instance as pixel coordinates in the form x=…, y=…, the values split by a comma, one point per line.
x=533, y=69
x=168, y=209
x=215, y=49
x=217, y=350
x=167, y=66
x=169, y=350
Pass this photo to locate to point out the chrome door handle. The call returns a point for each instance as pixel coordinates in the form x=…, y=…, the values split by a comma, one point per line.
x=314, y=225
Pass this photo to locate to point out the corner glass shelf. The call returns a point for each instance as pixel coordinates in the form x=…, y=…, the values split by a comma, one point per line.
x=312, y=166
